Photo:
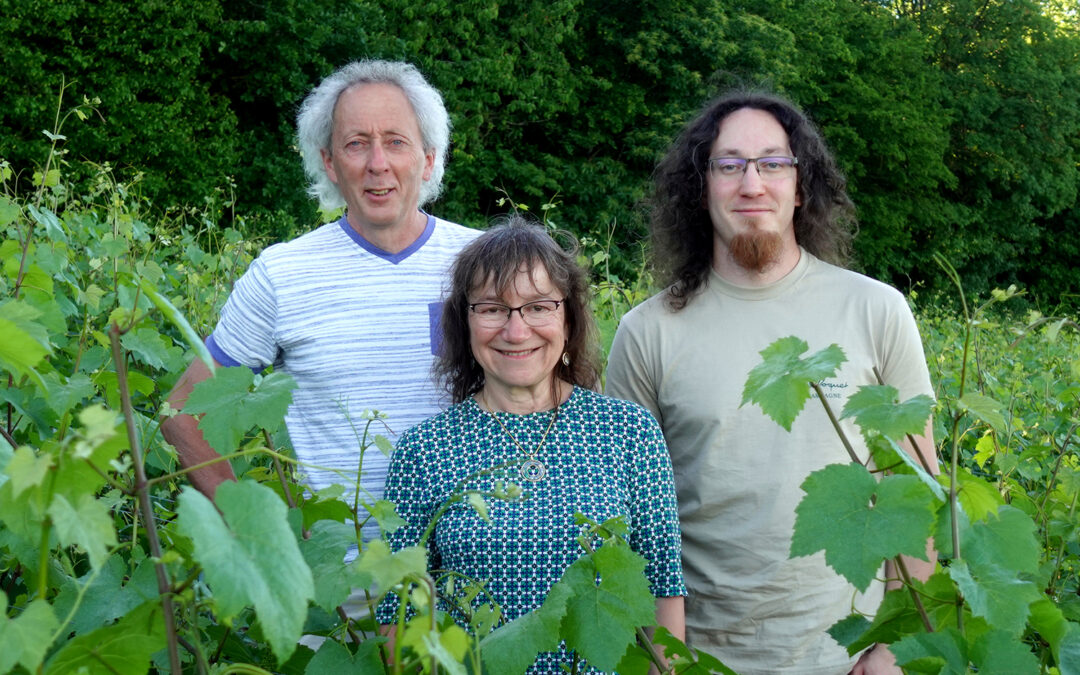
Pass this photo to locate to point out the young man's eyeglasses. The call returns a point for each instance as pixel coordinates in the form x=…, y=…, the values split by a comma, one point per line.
x=769, y=168
x=496, y=315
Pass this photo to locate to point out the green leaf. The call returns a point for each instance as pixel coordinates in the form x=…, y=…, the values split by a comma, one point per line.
x=105, y=596
x=53, y=229
x=250, y=557
x=601, y=618
x=148, y=346
x=232, y=406
x=377, y=567
x=63, y=396
x=837, y=516
x=999, y=653
x=781, y=383
x=849, y=629
x=978, y=497
x=1007, y=541
x=876, y=407
x=324, y=552
x=124, y=648
x=333, y=657
x=25, y=638
x=985, y=408
x=87, y=524
x=386, y=516
x=9, y=211
x=21, y=349
x=512, y=648
x=176, y=317
x=27, y=470
x=996, y=595
x=943, y=652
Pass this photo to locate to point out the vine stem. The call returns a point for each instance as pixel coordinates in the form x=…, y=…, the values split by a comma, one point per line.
x=906, y=576
x=910, y=438
x=836, y=424
x=142, y=489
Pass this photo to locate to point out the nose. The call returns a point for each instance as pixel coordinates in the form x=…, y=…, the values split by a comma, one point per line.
x=377, y=158
x=515, y=327
x=751, y=182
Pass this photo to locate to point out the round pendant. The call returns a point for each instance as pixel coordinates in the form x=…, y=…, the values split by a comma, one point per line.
x=533, y=470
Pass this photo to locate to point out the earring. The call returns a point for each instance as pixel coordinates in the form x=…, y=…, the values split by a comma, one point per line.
x=566, y=358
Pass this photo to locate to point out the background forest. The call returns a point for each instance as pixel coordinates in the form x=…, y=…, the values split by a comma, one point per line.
x=957, y=123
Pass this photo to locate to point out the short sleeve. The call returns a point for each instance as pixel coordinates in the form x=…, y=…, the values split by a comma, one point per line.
x=628, y=375
x=245, y=333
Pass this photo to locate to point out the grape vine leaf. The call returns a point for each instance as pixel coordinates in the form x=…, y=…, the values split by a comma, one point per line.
x=25, y=638
x=877, y=407
x=512, y=648
x=325, y=552
x=1062, y=634
x=148, y=346
x=250, y=557
x=123, y=648
x=21, y=349
x=377, y=567
x=176, y=317
x=601, y=619
x=985, y=408
x=837, y=516
x=944, y=652
x=105, y=596
x=334, y=657
x=86, y=523
x=780, y=384
x=996, y=595
x=230, y=405
x=998, y=652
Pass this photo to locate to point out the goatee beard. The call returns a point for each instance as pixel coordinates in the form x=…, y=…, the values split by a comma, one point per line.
x=756, y=251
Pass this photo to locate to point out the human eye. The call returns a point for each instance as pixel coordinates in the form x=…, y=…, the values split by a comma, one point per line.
x=773, y=164
x=489, y=309
x=728, y=166
x=540, y=307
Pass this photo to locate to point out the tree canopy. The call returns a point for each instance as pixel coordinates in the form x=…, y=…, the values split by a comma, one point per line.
x=957, y=124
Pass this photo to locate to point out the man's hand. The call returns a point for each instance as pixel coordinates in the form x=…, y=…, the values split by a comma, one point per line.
x=877, y=660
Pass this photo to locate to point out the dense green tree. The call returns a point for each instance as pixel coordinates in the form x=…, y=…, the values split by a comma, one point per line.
x=142, y=60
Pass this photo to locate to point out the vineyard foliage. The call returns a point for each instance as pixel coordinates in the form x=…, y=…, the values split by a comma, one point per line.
x=110, y=563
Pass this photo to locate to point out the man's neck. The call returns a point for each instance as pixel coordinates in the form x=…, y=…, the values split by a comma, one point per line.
x=731, y=271
x=393, y=238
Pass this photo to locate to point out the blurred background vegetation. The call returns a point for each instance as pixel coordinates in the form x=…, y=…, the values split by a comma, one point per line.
x=957, y=123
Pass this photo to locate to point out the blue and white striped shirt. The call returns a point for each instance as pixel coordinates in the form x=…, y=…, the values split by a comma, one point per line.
x=356, y=327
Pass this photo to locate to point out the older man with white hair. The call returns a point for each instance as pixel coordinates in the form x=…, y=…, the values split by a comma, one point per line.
x=349, y=309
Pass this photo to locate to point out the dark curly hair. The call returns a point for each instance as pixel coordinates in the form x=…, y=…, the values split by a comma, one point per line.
x=681, y=229
x=513, y=244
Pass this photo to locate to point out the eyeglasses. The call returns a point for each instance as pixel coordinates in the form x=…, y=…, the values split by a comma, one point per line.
x=769, y=168
x=496, y=315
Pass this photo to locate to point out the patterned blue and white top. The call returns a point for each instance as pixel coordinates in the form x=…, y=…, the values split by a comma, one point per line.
x=604, y=457
x=356, y=327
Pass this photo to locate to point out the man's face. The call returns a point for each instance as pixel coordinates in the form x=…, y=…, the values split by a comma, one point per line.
x=752, y=217
x=377, y=157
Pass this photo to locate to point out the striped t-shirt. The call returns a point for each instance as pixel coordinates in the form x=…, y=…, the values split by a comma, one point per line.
x=356, y=327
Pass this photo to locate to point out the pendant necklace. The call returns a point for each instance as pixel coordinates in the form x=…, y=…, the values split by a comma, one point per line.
x=532, y=469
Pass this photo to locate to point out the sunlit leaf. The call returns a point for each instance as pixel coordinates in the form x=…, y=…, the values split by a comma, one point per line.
x=25, y=638
x=250, y=557
x=231, y=406
x=837, y=516
x=87, y=524
x=877, y=407
x=985, y=408
x=943, y=652
x=780, y=384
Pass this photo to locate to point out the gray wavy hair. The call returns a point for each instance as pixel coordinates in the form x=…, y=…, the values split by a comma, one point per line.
x=315, y=122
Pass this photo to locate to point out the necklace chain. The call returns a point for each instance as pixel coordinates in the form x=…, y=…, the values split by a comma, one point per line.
x=532, y=469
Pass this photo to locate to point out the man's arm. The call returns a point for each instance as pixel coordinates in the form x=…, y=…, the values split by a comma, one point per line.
x=879, y=660
x=182, y=432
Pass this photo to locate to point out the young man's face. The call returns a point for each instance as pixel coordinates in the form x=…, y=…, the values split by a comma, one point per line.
x=377, y=156
x=752, y=214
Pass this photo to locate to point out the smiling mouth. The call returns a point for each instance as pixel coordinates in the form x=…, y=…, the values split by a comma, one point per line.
x=523, y=352
x=380, y=193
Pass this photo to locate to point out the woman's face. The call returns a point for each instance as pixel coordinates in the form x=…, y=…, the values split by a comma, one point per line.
x=519, y=356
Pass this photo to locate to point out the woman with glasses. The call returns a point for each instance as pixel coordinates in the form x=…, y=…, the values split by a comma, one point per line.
x=520, y=362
